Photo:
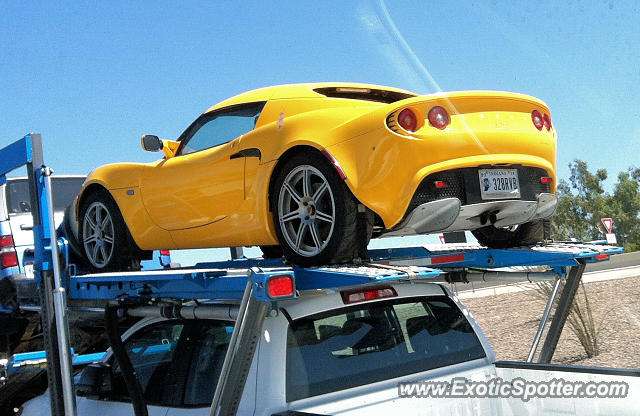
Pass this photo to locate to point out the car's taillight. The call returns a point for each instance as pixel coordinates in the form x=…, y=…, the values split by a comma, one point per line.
x=538, y=120
x=547, y=121
x=441, y=184
x=408, y=120
x=8, y=255
x=6, y=241
x=439, y=118
x=361, y=295
x=280, y=286
x=9, y=259
x=546, y=179
x=165, y=253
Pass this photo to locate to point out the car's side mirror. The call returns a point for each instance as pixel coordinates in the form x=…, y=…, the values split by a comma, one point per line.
x=95, y=381
x=151, y=143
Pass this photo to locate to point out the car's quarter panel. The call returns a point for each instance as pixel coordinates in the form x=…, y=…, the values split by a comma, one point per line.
x=195, y=189
x=384, y=168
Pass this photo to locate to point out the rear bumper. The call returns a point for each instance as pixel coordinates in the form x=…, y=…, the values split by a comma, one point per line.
x=448, y=215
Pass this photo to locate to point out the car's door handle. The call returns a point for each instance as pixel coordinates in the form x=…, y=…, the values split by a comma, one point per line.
x=24, y=227
x=250, y=152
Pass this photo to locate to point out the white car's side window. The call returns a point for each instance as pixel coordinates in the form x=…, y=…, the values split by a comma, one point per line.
x=152, y=360
x=178, y=363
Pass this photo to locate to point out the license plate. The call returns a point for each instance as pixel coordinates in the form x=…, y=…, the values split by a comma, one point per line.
x=499, y=183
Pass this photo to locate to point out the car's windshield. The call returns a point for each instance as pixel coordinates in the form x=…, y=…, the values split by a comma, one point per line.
x=64, y=190
x=376, y=341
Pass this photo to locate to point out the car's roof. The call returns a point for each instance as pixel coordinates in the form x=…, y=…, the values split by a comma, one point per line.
x=296, y=91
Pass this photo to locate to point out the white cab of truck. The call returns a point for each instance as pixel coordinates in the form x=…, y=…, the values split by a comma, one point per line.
x=335, y=352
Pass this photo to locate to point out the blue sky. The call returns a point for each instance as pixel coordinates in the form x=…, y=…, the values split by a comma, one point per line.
x=92, y=77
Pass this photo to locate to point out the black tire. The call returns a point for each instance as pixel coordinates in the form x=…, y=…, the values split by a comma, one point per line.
x=65, y=229
x=526, y=234
x=323, y=241
x=271, y=252
x=108, y=249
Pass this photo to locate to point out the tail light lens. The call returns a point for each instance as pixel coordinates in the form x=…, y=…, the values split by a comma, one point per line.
x=280, y=287
x=361, y=295
x=538, y=120
x=547, y=121
x=9, y=259
x=439, y=118
x=8, y=255
x=165, y=253
x=546, y=179
x=408, y=120
x=441, y=184
x=6, y=241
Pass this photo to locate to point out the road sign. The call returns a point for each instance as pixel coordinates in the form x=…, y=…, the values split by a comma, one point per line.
x=608, y=223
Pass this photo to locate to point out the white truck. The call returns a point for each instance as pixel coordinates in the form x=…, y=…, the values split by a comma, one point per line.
x=345, y=352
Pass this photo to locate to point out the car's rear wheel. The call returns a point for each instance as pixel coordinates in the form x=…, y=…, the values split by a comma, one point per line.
x=315, y=214
x=104, y=236
x=525, y=234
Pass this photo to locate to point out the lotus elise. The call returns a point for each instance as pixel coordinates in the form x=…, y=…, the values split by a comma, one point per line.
x=311, y=172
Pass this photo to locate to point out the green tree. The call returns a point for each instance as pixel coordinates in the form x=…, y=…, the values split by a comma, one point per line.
x=583, y=201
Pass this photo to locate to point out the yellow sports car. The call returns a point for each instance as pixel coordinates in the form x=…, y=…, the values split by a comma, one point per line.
x=313, y=171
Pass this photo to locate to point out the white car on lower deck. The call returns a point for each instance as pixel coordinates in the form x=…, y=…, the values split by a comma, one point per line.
x=335, y=352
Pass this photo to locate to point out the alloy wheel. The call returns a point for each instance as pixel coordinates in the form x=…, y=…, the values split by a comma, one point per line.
x=98, y=234
x=306, y=210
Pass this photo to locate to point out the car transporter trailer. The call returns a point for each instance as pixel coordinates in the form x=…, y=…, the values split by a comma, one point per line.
x=258, y=285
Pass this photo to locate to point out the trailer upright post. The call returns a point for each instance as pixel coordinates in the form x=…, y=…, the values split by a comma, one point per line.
x=562, y=312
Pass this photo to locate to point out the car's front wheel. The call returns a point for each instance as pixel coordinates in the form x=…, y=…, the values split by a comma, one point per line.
x=315, y=213
x=104, y=235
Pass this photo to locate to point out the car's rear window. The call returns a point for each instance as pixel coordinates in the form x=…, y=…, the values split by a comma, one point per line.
x=376, y=341
x=64, y=191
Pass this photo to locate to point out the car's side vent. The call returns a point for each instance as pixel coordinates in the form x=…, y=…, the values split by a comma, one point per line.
x=392, y=122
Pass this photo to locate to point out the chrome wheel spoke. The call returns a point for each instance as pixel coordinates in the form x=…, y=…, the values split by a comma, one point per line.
x=290, y=216
x=300, y=235
x=91, y=222
x=324, y=217
x=292, y=192
x=306, y=183
x=92, y=239
x=318, y=193
x=94, y=252
x=106, y=222
x=98, y=214
x=315, y=235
